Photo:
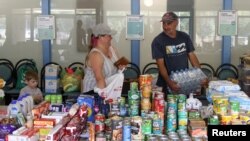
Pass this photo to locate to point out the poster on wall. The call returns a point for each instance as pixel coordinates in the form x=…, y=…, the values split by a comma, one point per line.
x=135, y=27
x=227, y=23
x=46, y=27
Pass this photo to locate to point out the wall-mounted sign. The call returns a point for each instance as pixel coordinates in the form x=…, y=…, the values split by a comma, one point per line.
x=46, y=27
x=227, y=23
x=135, y=27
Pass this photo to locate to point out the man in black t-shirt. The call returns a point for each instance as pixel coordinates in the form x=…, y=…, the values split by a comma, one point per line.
x=172, y=50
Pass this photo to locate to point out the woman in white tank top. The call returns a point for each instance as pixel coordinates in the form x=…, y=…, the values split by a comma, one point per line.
x=100, y=60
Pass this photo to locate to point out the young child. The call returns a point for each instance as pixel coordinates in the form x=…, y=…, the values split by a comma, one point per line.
x=31, y=79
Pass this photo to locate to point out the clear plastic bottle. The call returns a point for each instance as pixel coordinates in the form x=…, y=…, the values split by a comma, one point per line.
x=23, y=105
x=13, y=108
x=29, y=123
x=30, y=100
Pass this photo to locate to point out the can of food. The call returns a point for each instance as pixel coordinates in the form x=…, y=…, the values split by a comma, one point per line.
x=157, y=125
x=145, y=80
x=134, y=110
x=108, y=125
x=116, y=128
x=245, y=118
x=145, y=113
x=123, y=110
x=59, y=99
x=133, y=86
x=152, y=138
x=226, y=119
x=100, y=137
x=171, y=123
x=126, y=130
x=159, y=104
x=214, y=120
x=182, y=120
x=134, y=102
x=146, y=125
x=99, y=126
x=236, y=122
x=181, y=102
x=122, y=101
x=163, y=139
x=145, y=104
x=161, y=136
x=146, y=91
x=47, y=97
x=136, y=131
x=100, y=117
x=234, y=109
x=108, y=136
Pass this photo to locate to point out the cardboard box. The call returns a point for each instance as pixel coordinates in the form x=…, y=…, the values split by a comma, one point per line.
x=58, y=116
x=55, y=134
x=51, y=85
x=52, y=71
x=24, y=134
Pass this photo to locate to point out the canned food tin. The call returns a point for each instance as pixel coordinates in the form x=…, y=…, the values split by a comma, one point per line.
x=116, y=128
x=226, y=119
x=108, y=125
x=162, y=136
x=146, y=126
x=145, y=104
x=145, y=79
x=126, y=130
x=176, y=138
x=100, y=117
x=214, y=120
x=123, y=111
x=146, y=91
x=245, y=119
x=100, y=137
x=159, y=104
x=134, y=110
x=157, y=125
x=136, y=131
x=152, y=138
x=108, y=136
x=122, y=101
x=234, y=109
x=99, y=126
x=133, y=86
x=163, y=139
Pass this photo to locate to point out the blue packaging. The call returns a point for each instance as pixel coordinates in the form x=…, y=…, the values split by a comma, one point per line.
x=89, y=101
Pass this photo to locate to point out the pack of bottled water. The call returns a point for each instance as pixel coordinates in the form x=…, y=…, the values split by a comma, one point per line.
x=189, y=80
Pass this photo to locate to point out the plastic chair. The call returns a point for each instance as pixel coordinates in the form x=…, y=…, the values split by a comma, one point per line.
x=132, y=72
x=226, y=71
x=208, y=70
x=150, y=68
x=7, y=72
x=75, y=65
x=18, y=75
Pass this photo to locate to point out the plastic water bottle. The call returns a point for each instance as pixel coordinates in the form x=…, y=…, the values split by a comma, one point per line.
x=23, y=105
x=13, y=108
x=30, y=100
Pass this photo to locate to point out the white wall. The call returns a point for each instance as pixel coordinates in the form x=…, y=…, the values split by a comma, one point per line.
x=18, y=18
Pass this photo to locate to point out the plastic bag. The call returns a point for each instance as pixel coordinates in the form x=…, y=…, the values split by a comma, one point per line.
x=71, y=80
x=113, y=88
